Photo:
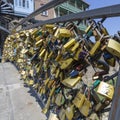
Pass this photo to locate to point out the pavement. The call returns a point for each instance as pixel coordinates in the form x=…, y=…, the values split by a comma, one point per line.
x=17, y=102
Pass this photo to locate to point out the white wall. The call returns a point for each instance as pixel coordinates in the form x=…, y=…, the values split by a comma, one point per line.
x=23, y=6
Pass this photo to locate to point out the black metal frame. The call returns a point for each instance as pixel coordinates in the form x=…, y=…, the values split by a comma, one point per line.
x=105, y=12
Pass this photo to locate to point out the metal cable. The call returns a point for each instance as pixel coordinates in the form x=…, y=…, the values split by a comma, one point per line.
x=104, y=12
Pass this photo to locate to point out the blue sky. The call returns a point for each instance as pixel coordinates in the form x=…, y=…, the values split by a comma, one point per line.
x=112, y=24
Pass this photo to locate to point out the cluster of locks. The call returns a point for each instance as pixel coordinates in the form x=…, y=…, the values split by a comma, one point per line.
x=54, y=59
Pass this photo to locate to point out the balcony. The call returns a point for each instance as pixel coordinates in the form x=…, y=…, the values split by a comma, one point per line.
x=70, y=8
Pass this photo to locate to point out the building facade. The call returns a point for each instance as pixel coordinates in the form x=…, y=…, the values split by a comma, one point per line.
x=23, y=7
x=69, y=7
x=72, y=6
x=48, y=14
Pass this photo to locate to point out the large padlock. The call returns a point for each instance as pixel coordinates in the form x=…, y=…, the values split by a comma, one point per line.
x=113, y=47
x=106, y=90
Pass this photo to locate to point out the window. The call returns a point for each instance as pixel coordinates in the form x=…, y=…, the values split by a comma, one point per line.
x=44, y=13
x=20, y=3
x=23, y=3
x=27, y=4
x=16, y=2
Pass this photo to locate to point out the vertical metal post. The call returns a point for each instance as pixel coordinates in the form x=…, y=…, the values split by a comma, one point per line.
x=58, y=11
x=115, y=109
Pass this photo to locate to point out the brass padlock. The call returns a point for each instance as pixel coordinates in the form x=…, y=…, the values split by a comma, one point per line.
x=62, y=114
x=93, y=116
x=85, y=108
x=71, y=82
x=59, y=100
x=106, y=90
x=113, y=47
x=64, y=64
x=73, y=49
x=95, y=48
x=69, y=44
x=45, y=109
x=79, y=100
x=53, y=117
x=69, y=112
x=31, y=82
x=62, y=32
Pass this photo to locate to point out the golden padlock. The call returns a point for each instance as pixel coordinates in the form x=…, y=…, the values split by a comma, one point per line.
x=79, y=100
x=53, y=117
x=76, y=56
x=65, y=63
x=111, y=61
x=85, y=108
x=57, y=73
x=69, y=112
x=73, y=49
x=71, y=82
x=50, y=55
x=113, y=47
x=46, y=56
x=31, y=82
x=39, y=42
x=52, y=91
x=93, y=116
x=45, y=109
x=95, y=48
x=106, y=90
x=42, y=53
x=62, y=114
x=59, y=100
x=34, y=31
x=69, y=44
x=62, y=32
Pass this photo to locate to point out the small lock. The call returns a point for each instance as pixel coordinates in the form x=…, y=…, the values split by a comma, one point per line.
x=77, y=54
x=46, y=108
x=73, y=49
x=62, y=114
x=57, y=73
x=109, y=58
x=71, y=82
x=93, y=116
x=95, y=48
x=31, y=82
x=79, y=100
x=85, y=108
x=38, y=43
x=53, y=117
x=62, y=32
x=42, y=53
x=69, y=44
x=69, y=112
x=65, y=63
x=59, y=99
